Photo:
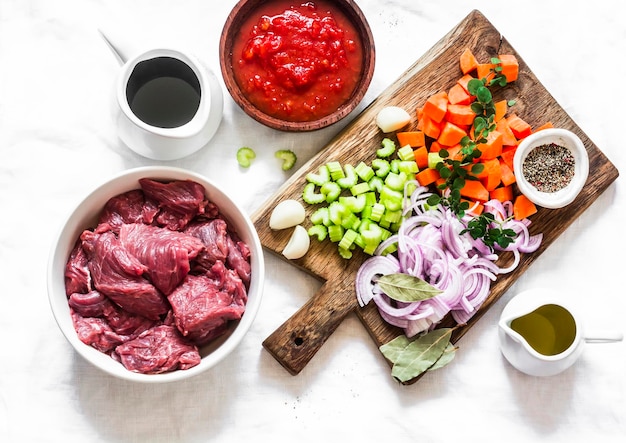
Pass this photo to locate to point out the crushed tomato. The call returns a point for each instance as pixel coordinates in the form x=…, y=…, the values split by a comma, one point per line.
x=298, y=63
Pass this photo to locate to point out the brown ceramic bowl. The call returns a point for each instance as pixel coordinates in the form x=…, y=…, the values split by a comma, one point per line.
x=243, y=11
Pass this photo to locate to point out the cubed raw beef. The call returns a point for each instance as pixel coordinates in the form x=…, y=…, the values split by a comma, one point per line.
x=165, y=254
x=96, y=332
x=119, y=276
x=95, y=304
x=203, y=304
x=160, y=349
x=214, y=236
x=239, y=259
x=77, y=277
x=124, y=208
x=179, y=201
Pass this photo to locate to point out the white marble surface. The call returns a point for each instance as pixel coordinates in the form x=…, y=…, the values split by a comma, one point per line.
x=57, y=142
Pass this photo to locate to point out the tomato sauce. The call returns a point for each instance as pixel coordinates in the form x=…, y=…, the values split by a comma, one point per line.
x=298, y=62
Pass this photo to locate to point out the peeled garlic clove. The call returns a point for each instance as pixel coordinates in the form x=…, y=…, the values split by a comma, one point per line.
x=298, y=243
x=286, y=214
x=392, y=118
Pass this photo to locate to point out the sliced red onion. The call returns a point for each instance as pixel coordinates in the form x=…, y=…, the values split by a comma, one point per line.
x=430, y=246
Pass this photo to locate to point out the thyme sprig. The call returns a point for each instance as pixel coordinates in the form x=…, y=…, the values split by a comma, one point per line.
x=456, y=171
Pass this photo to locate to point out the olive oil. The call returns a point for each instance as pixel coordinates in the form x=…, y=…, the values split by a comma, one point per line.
x=163, y=92
x=549, y=329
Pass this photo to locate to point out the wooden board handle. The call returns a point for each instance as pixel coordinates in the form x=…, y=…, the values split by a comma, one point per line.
x=297, y=340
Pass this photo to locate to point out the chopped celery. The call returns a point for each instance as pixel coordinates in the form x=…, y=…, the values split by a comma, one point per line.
x=321, y=217
x=323, y=176
x=345, y=253
x=350, y=178
x=433, y=159
x=331, y=190
x=381, y=166
x=348, y=239
x=354, y=204
x=335, y=233
x=377, y=212
x=391, y=198
x=335, y=169
x=364, y=171
x=319, y=231
x=388, y=148
x=408, y=167
x=350, y=221
x=394, y=165
x=310, y=196
x=288, y=158
x=405, y=153
x=376, y=184
x=396, y=181
x=393, y=216
x=336, y=212
x=245, y=155
x=360, y=188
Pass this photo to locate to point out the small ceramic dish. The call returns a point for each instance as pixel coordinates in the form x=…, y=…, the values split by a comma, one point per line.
x=565, y=195
x=241, y=16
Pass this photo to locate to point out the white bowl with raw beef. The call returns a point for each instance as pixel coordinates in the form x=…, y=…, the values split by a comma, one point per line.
x=111, y=320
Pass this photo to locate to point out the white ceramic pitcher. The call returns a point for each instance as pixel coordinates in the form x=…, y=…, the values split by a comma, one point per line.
x=564, y=333
x=146, y=138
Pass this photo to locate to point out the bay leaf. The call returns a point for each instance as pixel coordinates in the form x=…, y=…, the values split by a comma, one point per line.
x=407, y=288
x=392, y=350
x=446, y=357
x=421, y=354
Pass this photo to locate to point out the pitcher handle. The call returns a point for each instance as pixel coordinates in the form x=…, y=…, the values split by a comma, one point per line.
x=604, y=337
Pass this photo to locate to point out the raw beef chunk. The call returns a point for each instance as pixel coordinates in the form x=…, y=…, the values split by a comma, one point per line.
x=129, y=207
x=160, y=349
x=77, y=277
x=203, y=304
x=214, y=237
x=179, y=201
x=96, y=332
x=239, y=259
x=165, y=253
x=119, y=276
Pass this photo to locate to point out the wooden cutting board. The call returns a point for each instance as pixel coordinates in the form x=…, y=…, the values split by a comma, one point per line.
x=295, y=342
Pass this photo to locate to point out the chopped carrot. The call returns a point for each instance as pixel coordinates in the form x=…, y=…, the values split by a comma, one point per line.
x=427, y=176
x=544, y=126
x=507, y=155
x=414, y=139
x=485, y=71
x=454, y=152
x=460, y=115
x=436, y=106
x=510, y=67
x=457, y=95
x=523, y=207
x=501, y=108
x=506, y=173
x=430, y=127
x=493, y=174
x=468, y=61
x=520, y=128
x=463, y=81
x=493, y=147
x=475, y=190
x=421, y=157
x=450, y=134
x=502, y=193
x=508, y=139
x=435, y=146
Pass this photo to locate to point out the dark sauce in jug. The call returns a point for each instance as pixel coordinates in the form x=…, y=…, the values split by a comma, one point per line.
x=163, y=92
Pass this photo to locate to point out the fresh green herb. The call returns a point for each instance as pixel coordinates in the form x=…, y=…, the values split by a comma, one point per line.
x=288, y=158
x=407, y=288
x=490, y=231
x=245, y=155
x=412, y=357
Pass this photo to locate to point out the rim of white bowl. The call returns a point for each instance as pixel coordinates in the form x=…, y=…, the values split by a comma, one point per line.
x=562, y=137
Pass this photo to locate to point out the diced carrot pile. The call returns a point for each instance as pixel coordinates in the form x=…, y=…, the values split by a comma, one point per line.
x=446, y=117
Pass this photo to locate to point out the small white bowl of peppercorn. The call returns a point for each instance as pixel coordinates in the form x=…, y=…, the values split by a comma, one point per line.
x=551, y=167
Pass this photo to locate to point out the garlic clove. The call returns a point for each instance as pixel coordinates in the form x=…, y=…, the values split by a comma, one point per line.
x=298, y=243
x=286, y=214
x=392, y=118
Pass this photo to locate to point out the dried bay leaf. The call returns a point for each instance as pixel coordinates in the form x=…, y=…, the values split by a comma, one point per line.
x=407, y=288
x=392, y=350
x=420, y=354
x=446, y=357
